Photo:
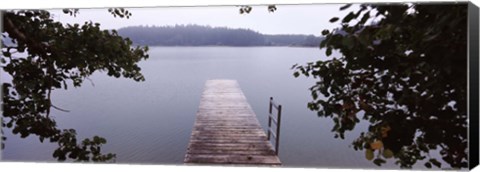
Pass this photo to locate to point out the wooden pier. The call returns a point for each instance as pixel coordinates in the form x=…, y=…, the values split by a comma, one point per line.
x=226, y=130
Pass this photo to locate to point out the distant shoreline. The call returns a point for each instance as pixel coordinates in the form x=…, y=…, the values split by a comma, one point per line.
x=196, y=35
x=200, y=46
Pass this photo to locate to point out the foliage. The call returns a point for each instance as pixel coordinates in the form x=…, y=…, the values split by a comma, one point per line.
x=45, y=55
x=195, y=35
x=402, y=69
x=246, y=9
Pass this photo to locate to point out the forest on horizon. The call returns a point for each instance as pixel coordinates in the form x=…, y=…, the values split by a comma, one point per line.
x=196, y=35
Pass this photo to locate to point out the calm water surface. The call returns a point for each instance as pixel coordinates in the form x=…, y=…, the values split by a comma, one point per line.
x=150, y=122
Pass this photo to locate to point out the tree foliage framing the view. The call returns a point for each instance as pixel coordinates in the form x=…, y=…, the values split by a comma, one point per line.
x=403, y=69
x=43, y=55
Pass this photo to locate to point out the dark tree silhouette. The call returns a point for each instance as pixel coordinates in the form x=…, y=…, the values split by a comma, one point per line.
x=42, y=55
x=403, y=69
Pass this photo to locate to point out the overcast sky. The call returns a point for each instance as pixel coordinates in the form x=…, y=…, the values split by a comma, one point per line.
x=288, y=19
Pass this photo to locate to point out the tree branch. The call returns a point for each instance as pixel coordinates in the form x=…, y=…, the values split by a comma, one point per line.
x=60, y=109
x=15, y=33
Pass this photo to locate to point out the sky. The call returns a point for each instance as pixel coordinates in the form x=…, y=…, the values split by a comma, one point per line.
x=287, y=19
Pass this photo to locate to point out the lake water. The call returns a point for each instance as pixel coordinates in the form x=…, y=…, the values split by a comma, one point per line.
x=150, y=122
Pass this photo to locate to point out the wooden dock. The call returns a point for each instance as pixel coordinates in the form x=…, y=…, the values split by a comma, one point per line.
x=226, y=130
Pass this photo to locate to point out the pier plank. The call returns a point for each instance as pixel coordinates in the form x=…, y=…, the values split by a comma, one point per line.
x=226, y=130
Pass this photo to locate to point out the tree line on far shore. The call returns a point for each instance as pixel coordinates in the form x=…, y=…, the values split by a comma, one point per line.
x=196, y=35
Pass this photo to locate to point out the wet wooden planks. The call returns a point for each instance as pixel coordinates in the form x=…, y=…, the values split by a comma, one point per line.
x=226, y=130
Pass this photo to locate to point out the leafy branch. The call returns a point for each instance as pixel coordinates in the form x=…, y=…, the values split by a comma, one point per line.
x=53, y=54
x=401, y=68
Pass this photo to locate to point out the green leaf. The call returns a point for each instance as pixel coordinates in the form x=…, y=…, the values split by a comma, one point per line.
x=296, y=74
x=57, y=153
x=272, y=8
x=349, y=17
x=294, y=66
x=428, y=165
x=328, y=52
x=365, y=17
x=86, y=141
x=248, y=9
x=334, y=19
x=379, y=162
x=369, y=154
x=102, y=140
x=345, y=7
x=387, y=153
x=436, y=163
x=325, y=32
x=314, y=95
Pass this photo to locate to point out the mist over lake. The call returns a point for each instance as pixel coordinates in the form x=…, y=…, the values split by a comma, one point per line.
x=150, y=122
